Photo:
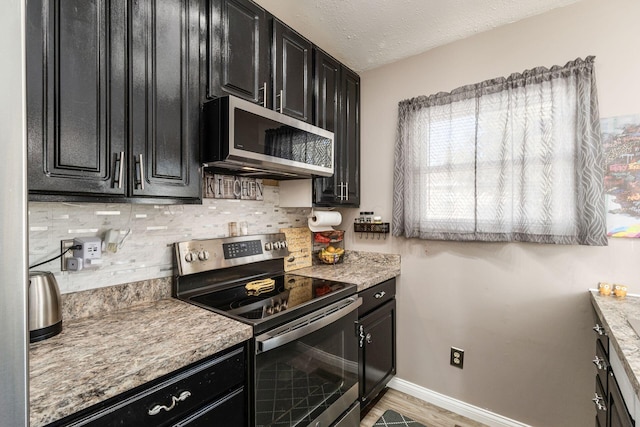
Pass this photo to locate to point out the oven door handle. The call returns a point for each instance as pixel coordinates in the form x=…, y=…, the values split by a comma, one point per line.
x=305, y=325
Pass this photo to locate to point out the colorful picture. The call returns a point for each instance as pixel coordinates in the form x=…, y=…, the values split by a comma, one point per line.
x=621, y=141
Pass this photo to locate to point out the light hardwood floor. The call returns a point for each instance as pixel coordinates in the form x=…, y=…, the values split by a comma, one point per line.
x=421, y=411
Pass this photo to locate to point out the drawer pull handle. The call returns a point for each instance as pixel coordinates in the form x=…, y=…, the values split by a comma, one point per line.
x=361, y=335
x=156, y=409
x=597, y=400
x=368, y=338
x=600, y=363
x=380, y=294
x=599, y=330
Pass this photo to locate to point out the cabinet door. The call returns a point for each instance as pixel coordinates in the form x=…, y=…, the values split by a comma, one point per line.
x=164, y=98
x=327, y=86
x=238, y=51
x=343, y=189
x=76, y=95
x=230, y=411
x=350, y=140
x=292, y=72
x=377, y=362
x=618, y=413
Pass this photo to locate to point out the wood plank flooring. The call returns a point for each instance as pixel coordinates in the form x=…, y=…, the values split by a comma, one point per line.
x=421, y=411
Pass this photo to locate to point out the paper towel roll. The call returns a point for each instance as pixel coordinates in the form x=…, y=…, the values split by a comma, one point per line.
x=324, y=220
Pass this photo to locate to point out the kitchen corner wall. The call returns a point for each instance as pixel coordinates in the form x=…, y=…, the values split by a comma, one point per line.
x=147, y=253
x=521, y=312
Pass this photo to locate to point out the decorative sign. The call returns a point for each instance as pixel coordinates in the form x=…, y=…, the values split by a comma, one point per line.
x=232, y=187
x=621, y=141
x=299, y=245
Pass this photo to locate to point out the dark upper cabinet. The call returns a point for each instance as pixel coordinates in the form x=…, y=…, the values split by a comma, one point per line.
x=164, y=102
x=239, y=55
x=337, y=108
x=76, y=94
x=112, y=99
x=292, y=73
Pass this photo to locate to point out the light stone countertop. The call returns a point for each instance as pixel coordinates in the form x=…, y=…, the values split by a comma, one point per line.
x=364, y=269
x=101, y=356
x=614, y=313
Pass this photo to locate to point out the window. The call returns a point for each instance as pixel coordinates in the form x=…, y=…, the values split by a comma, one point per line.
x=508, y=159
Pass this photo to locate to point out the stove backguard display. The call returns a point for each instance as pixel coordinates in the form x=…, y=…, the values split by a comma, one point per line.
x=242, y=249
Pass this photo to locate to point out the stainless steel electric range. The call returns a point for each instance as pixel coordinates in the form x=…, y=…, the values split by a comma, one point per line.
x=303, y=357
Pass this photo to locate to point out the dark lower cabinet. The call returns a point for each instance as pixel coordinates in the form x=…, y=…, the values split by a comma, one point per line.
x=377, y=340
x=207, y=393
x=611, y=410
x=618, y=412
x=113, y=99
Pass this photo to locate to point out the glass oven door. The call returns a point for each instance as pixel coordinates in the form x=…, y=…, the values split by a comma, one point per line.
x=307, y=371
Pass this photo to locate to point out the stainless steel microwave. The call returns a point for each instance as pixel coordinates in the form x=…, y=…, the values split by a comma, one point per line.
x=251, y=140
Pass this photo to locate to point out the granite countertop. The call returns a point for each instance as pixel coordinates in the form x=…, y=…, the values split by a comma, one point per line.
x=364, y=269
x=99, y=356
x=120, y=337
x=614, y=313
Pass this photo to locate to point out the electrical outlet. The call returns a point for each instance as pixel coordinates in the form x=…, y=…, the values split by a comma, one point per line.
x=457, y=357
x=64, y=245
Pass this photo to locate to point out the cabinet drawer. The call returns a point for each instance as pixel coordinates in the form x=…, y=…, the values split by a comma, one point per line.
x=600, y=332
x=601, y=362
x=377, y=295
x=601, y=404
x=166, y=401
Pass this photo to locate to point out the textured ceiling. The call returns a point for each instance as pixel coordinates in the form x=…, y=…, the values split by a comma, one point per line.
x=366, y=34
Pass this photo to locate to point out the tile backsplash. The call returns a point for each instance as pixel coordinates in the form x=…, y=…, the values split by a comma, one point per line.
x=147, y=252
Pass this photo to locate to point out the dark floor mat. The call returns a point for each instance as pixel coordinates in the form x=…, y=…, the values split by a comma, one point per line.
x=393, y=419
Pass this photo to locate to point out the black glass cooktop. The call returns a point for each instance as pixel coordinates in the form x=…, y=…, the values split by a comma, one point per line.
x=292, y=295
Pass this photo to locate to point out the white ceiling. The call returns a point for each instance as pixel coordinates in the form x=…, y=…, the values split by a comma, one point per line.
x=366, y=34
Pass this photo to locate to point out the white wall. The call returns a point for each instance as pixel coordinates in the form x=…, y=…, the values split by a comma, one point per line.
x=521, y=312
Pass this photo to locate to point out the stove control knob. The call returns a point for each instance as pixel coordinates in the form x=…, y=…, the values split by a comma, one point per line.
x=267, y=246
x=283, y=244
x=276, y=245
x=190, y=256
x=203, y=255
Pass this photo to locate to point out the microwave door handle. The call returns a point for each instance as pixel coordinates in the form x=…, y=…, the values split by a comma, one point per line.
x=270, y=340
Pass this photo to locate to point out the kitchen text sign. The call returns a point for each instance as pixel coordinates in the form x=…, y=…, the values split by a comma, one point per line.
x=232, y=187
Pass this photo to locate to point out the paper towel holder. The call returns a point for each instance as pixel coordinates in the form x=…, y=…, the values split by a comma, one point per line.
x=313, y=216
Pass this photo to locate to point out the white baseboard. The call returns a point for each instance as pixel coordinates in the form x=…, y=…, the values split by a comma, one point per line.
x=459, y=407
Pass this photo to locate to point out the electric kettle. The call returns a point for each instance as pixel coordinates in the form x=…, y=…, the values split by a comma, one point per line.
x=45, y=306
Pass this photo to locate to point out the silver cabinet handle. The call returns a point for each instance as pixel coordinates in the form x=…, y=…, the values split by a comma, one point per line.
x=120, y=168
x=598, y=401
x=600, y=363
x=342, y=187
x=361, y=335
x=380, y=294
x=140, y=162
x=156, y=409
x=263, y=89
x=346, y=190
x=599, y=330
x=280, y=96
x=368, y=338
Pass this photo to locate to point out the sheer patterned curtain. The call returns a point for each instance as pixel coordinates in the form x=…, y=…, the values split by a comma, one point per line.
x=509, y=159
